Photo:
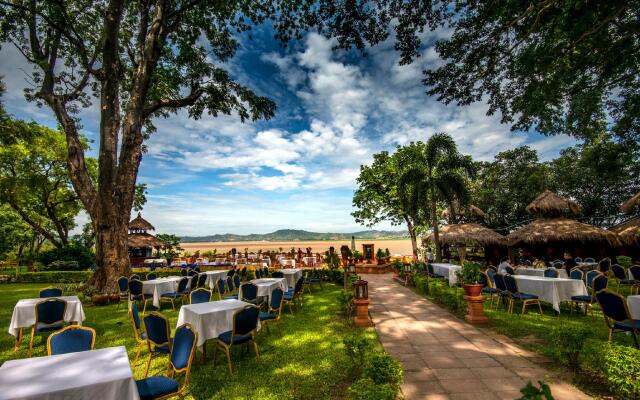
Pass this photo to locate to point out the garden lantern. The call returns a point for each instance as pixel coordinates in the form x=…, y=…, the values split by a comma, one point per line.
x=351, y=268
x=361, y=294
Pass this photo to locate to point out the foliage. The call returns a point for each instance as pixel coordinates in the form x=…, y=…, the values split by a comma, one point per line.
x=347, y=305
x=533, y=392
x=13, y=231
x=53, y=277
x=396, y=265
x=624, y=261
x=173, y=249
x=367, y=389
x=73, y=251
x=569, y=342
x=332, y=259
x=469, y=273
x=356, y=348
x=620, y=366
x=382, y=369
x=63, y=265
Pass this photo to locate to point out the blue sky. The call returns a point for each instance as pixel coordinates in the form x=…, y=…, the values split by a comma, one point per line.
x=297, y=170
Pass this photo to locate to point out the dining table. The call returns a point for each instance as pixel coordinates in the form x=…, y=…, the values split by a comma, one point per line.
x=551, y=290
x=448, y=271
x=292, y=275
x=266, y=286
x=539, y=272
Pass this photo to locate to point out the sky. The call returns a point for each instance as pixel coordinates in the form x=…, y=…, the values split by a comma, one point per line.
x=298, y=169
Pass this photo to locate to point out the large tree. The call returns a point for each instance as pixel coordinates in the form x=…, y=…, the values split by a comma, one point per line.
x=138, y=60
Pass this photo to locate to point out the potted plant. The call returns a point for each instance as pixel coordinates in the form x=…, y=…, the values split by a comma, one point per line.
x=469, y=276
x=380, y=256
x=397, y=267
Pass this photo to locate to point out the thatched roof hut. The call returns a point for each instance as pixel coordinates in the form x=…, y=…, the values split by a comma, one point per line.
x=628, y=232
x=547, y=230
x=463, y=233
x=550, y=204
x=139, y=224
x=144, y=240
x=630, y=204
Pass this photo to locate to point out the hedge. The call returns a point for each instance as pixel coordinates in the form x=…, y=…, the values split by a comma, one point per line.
x=53, y=277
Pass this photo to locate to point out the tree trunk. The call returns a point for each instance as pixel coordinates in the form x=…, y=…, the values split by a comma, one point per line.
x=436, y=235
x=412, y=235
x=112, y=256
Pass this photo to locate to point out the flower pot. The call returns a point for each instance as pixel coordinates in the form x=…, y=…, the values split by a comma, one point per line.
x=100, y=299
x=475, y=304
x=472, y=289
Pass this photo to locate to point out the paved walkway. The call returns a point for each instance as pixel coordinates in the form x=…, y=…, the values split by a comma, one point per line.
x=444, y=357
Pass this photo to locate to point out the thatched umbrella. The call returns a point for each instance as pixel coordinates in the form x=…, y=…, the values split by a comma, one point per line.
x=629, y=205
x=461, y=234
x=628, y=232
x=550, y=204
x=139, y=224
x=548, y=230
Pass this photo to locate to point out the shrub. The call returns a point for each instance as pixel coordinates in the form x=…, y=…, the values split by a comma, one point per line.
x=624, y=261
x=346, y=303
x=62, y=265
x=381, y=368
x=356, y=348
x=568, y=343
x=53, y=277
x=621, y=367
x=532, y=392
x=469, y=273
x=366, y=389
x=73, y=251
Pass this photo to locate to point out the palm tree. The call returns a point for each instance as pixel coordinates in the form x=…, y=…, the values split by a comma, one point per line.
x=431, y=173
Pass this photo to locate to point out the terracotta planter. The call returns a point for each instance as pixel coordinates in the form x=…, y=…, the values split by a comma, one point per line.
x=100, y=299
x=475, y=304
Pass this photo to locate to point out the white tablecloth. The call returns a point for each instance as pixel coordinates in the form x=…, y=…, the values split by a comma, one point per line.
x=551, y=290
x=266, y=286
x=98, y=374
x=212, y=318
x=292, y=275
x=588, y=265
x=24, y=313
x=288, y=262
x=538, y=272
x=310, y=261
x=213, y=276
x=448, y=271
x=634, y=306
x=158, y=287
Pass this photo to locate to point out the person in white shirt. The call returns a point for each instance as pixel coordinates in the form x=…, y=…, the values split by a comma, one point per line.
x=502, y=267
x=429, y=255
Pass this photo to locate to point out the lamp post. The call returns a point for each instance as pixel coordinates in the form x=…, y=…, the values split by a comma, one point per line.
x=361, y=294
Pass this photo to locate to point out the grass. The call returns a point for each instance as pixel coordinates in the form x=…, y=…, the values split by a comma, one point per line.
x=302, y=358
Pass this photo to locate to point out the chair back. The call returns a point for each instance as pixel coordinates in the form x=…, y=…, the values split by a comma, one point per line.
x=511, y=284
x=192, y=272
x=491, y=275
x=634, y=272
x=151, y=276
x=265, y=271
x=618, y=272
x=182, y=284
x=245, y=321
x=71, y=339
x=200, y=295
x=236, y=280
x=591, y=275
x=577, y=259
x=50, y=311
x=430, y=269
x=550, y=273
x=202, y=280
x=510, y=270
x=277, y=274
x=576, y=273
x=134, y=276
x=231, y=272
x=276, y=299
x=491, y=267
x=135, y=319
x=230, y=283
x=599, y=283
x=604, y=265
x=249, y=291
x=184, y=272
x=123, y=284
x=243, y=272
x=484, y=279
x=558, y=265
x=157, y=327
x=222, y=286
x=590, y=260
x=183, y=348
x=299, y=286
x=613, y=305
x=499, y=281
x=197, y=269
x=258, y=274
x=50, y=292
x=135, y=287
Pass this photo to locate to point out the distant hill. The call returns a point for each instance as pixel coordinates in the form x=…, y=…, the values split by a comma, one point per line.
x=295, y=234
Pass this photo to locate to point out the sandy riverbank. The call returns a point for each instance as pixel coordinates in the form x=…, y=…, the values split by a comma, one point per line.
x=395, y=246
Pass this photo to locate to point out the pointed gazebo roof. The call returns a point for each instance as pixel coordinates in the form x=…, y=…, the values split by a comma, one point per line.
x=140, y=223
x=550, y=204
x=628, y=231
x=629, y=205
x=463, y=233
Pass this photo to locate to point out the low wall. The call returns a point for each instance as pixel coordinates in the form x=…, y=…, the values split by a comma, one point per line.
x=372, y=269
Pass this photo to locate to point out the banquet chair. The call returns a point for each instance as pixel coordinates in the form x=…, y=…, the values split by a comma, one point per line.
x=258, y=273
x=291, y=296
x=134, y=276
x=277, y=274
x=49, y=317
x=202, y=280
x=550, y=273
x=578, y=260
x=50, y=292
x=250, y=293
x=316, y=277
x=501, y=289
x=184, y=272
x=200, y=295
x=616, y=314
x=138, y=333
x=510, y=270
x=589, y=260
x=431, y=272
x=604, y=265
x=192, y=272
x=136, y=293
x=597, y=283
x=634, y=275
x=158, y=332
x=172, y=296
x=576, y=274
x=487, y=287
x=245, y=325
x=151, y=276
x=180, y=359
x=193, y=283
x=265, y=272
x=236, y=281
x=516, y=294
x=123, y=289
x=71, y=339
x=243, y=273
x=230, y=285
x=197, y=269
x=558, y=265
x=274, y=308
x=620, y=275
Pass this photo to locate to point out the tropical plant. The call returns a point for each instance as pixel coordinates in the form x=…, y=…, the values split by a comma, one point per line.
x=469, y=274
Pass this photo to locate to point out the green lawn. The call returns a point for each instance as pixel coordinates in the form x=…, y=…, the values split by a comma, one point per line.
x=302, y=358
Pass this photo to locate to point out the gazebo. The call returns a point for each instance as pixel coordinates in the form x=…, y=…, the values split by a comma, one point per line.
x=628, y=232
x=460, y=234
x=141, y=242
x=551, y=228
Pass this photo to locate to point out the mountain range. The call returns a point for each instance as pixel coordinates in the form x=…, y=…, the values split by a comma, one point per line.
x=295, y=234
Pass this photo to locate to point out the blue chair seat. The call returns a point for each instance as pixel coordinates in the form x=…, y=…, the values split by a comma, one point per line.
x=169, y=295
x=232, y=297
x=627, y=325
x=489, y=290
x=48, y=328
x=237, y=339
x=142, y=296
x=164, y=349
x=583, y=297
x=252, y=301
x=288, y=296
x=628, y=281
x=266, y=316
x=156, y=386
x=523, y=296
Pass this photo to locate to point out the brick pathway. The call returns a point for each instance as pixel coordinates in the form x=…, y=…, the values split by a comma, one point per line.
x=444, y=357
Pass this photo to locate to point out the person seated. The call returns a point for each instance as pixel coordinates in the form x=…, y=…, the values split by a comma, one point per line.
x=502, y=267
